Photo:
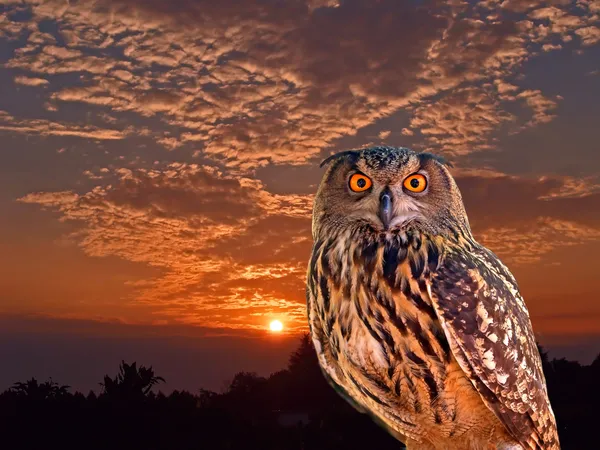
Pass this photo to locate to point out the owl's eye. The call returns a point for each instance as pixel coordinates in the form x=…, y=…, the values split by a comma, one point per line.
x=359, y=182
x=415, y=183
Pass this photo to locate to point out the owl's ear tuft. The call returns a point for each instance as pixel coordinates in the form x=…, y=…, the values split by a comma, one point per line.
x=337, y=156
x=430, y=156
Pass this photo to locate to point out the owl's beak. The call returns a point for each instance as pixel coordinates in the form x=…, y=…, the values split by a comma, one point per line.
x=385, y=207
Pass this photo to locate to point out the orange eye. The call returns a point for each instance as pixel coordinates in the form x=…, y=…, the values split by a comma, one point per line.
x=360, y=182
x=415, y=183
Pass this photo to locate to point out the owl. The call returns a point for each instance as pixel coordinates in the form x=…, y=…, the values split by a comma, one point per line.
x=413, y=321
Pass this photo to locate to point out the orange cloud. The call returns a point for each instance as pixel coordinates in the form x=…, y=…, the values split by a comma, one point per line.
x=461, y=122
x=589, y=35
x=528, y=243
x=540, y=106
x=232, y=254
x=214, y=237
x=48, y=128
x=27, y=81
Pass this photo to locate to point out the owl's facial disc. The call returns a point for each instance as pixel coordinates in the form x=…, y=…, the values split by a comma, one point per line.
x=390, y=190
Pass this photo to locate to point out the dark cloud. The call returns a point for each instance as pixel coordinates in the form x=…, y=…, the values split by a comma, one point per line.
x=507, y=201
x=257, y=83
x=523, y=219
x=185, y=192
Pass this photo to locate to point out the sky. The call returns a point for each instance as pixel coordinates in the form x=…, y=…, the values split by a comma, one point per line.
x=158, y=162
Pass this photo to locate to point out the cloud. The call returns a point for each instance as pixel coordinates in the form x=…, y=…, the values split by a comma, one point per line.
x=523, y=219
x=527, y=5
x=224, y=244
x=460, y=122
x=48, y=128
x=493, y=198
x=26, y=81
x=588, y=35
x=540, y=106
x=529, y=243
x=232, y=254
x=51, y=60
x=252, y=83
x=384, y=134
x=9, y=29
x=572, y=187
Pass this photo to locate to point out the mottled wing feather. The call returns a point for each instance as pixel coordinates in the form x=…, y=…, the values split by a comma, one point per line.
x=488, y=326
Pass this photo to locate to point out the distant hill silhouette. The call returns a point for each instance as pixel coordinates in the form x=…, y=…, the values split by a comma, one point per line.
x=293, y=409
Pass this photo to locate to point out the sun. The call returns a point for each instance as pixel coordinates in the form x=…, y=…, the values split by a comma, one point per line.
x=276, y=326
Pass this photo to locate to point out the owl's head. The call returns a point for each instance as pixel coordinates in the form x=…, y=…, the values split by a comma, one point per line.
x=388, y=190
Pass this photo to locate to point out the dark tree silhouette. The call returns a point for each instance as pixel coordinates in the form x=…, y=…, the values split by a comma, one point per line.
x=131, y=382
x=36, y=391
x=292, y=409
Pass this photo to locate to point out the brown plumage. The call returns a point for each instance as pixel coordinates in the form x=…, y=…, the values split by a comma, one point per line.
x=413, y=321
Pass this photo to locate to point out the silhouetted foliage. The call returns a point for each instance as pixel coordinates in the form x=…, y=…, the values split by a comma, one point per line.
x=292, y=409
x=36, y=391
x=131, y=383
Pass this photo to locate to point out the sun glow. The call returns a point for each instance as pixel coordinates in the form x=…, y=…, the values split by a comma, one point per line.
x=276, y=326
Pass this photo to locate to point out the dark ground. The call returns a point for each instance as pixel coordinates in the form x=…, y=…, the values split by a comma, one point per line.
x=292, y=409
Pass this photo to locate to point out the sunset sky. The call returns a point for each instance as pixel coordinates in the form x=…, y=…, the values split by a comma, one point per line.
x=158, y=162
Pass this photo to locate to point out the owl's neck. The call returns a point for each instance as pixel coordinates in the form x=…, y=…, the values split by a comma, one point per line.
x=366, y=235
x=365, y=253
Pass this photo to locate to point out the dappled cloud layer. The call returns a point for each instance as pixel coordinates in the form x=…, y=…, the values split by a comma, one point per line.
x=228, y=248
x=231, y=88
x=253, y=82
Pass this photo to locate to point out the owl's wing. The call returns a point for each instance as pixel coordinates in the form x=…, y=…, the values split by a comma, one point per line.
x=487, y=324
